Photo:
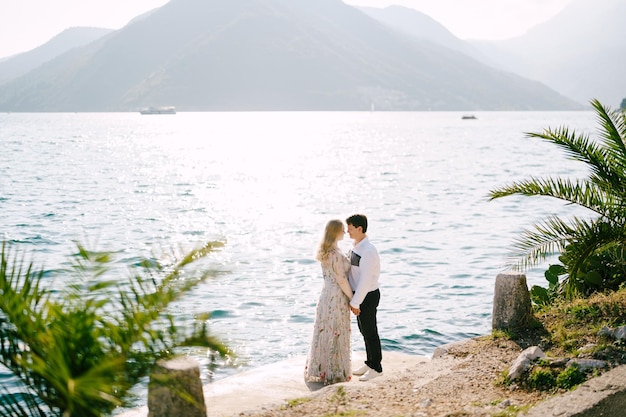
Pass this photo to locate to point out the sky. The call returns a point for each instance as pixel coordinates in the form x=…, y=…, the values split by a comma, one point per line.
x=27, y=24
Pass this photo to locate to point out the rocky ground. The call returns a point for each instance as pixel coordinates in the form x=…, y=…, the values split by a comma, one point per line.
x=467, y=385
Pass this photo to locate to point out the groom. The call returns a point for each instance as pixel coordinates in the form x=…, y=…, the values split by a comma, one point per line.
x=363, y=278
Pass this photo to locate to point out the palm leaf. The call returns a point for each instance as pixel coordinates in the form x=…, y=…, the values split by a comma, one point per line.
x=78, y=353
x=613, y=131
x=603, y=192
x=533, y=246
x=581, y=193
x=20, y=404
x=580, y=148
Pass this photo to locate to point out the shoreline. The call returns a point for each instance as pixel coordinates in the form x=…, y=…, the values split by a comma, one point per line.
x=271, y=386
x=460, y=378
x=267, y=390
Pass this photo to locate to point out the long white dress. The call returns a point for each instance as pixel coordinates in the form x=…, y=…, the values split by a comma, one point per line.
x=329, y=357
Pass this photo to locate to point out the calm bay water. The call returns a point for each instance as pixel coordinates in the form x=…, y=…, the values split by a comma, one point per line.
x=267, y=183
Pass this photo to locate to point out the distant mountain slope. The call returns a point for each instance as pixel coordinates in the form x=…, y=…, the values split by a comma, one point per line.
x=269, y=55
x=581, y=52
x=420, y=26
x=20, y=64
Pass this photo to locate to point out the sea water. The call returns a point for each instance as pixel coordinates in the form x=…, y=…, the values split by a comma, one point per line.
x=266, y=184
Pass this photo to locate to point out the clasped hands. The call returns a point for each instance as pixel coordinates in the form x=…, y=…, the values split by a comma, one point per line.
x=355, y=310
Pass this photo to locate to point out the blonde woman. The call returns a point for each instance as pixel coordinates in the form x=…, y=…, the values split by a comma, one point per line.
x=328, y=360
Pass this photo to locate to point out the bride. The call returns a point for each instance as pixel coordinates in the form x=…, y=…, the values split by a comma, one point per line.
x=328, y=360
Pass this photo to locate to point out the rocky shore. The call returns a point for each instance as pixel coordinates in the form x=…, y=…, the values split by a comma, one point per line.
x=460, y=380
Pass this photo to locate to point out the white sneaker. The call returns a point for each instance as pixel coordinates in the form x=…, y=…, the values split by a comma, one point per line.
x=371, y=374
x=362, y=370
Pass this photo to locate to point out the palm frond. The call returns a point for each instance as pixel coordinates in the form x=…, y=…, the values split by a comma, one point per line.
x=578, y=192
x=581, y=148
x=79, y=352
x=591, y=237
x=613, y=137
x=613, y=130
x=606, y=157
x=534, y=246
x=21, y=404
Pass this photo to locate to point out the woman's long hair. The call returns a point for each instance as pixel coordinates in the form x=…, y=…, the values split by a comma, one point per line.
x=327, y=245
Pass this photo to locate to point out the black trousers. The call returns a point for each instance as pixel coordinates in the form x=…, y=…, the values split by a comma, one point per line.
x=368, y=328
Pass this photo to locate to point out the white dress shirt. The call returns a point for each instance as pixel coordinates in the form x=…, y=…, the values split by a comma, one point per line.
x=364, y=270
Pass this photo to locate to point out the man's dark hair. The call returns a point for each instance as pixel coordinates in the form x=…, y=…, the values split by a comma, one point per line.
x=357, y=220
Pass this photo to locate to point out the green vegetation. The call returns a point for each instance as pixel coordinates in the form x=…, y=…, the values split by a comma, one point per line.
x=296, y=401
x=586, y=291
x=570, y=325
x=78, y=351
x=592, y=250
x=543, y=377
x=339, y=398
x=512, y=411
x=570, y=377
x=348, y=413
x=568, y=329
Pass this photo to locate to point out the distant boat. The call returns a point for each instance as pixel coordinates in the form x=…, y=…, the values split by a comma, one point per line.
x=468, y=117
x=159, y=110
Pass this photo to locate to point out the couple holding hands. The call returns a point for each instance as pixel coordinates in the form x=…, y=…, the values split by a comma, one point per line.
x=350, y=284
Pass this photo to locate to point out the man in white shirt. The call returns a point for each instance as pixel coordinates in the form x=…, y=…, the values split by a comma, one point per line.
x=363, y=277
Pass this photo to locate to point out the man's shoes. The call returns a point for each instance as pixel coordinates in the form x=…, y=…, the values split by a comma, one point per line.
x=371, y=374
x=362, y=370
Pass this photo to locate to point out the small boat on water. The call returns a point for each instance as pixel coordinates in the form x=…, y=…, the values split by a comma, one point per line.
x=159, y=110
x=468, y=117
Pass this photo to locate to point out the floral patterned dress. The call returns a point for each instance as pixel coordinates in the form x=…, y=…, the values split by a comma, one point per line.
x=329, y=358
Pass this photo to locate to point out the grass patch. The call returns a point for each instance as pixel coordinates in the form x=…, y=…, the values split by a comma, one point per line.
x=512, y=411
x=571, y=325
x=346, y=413
x=567, y=329
x=570, y=378
x=503, y=334
x=296, y=402
x=541, y=379
x=503, y=380
x=340, y=400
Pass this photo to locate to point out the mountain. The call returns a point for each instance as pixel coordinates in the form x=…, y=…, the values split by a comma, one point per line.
x=581, y=52
x=17, y=65
x=420, y=26
x=269, y=55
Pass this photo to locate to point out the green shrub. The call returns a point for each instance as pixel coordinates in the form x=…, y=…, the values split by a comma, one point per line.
x=78, y=347
x=541, y=379
x=570, y=377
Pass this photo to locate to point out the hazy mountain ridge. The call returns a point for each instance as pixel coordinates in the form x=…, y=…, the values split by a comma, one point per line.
x=18, y=65
x=581, y=52
x=420, y=26
x=269, y=55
